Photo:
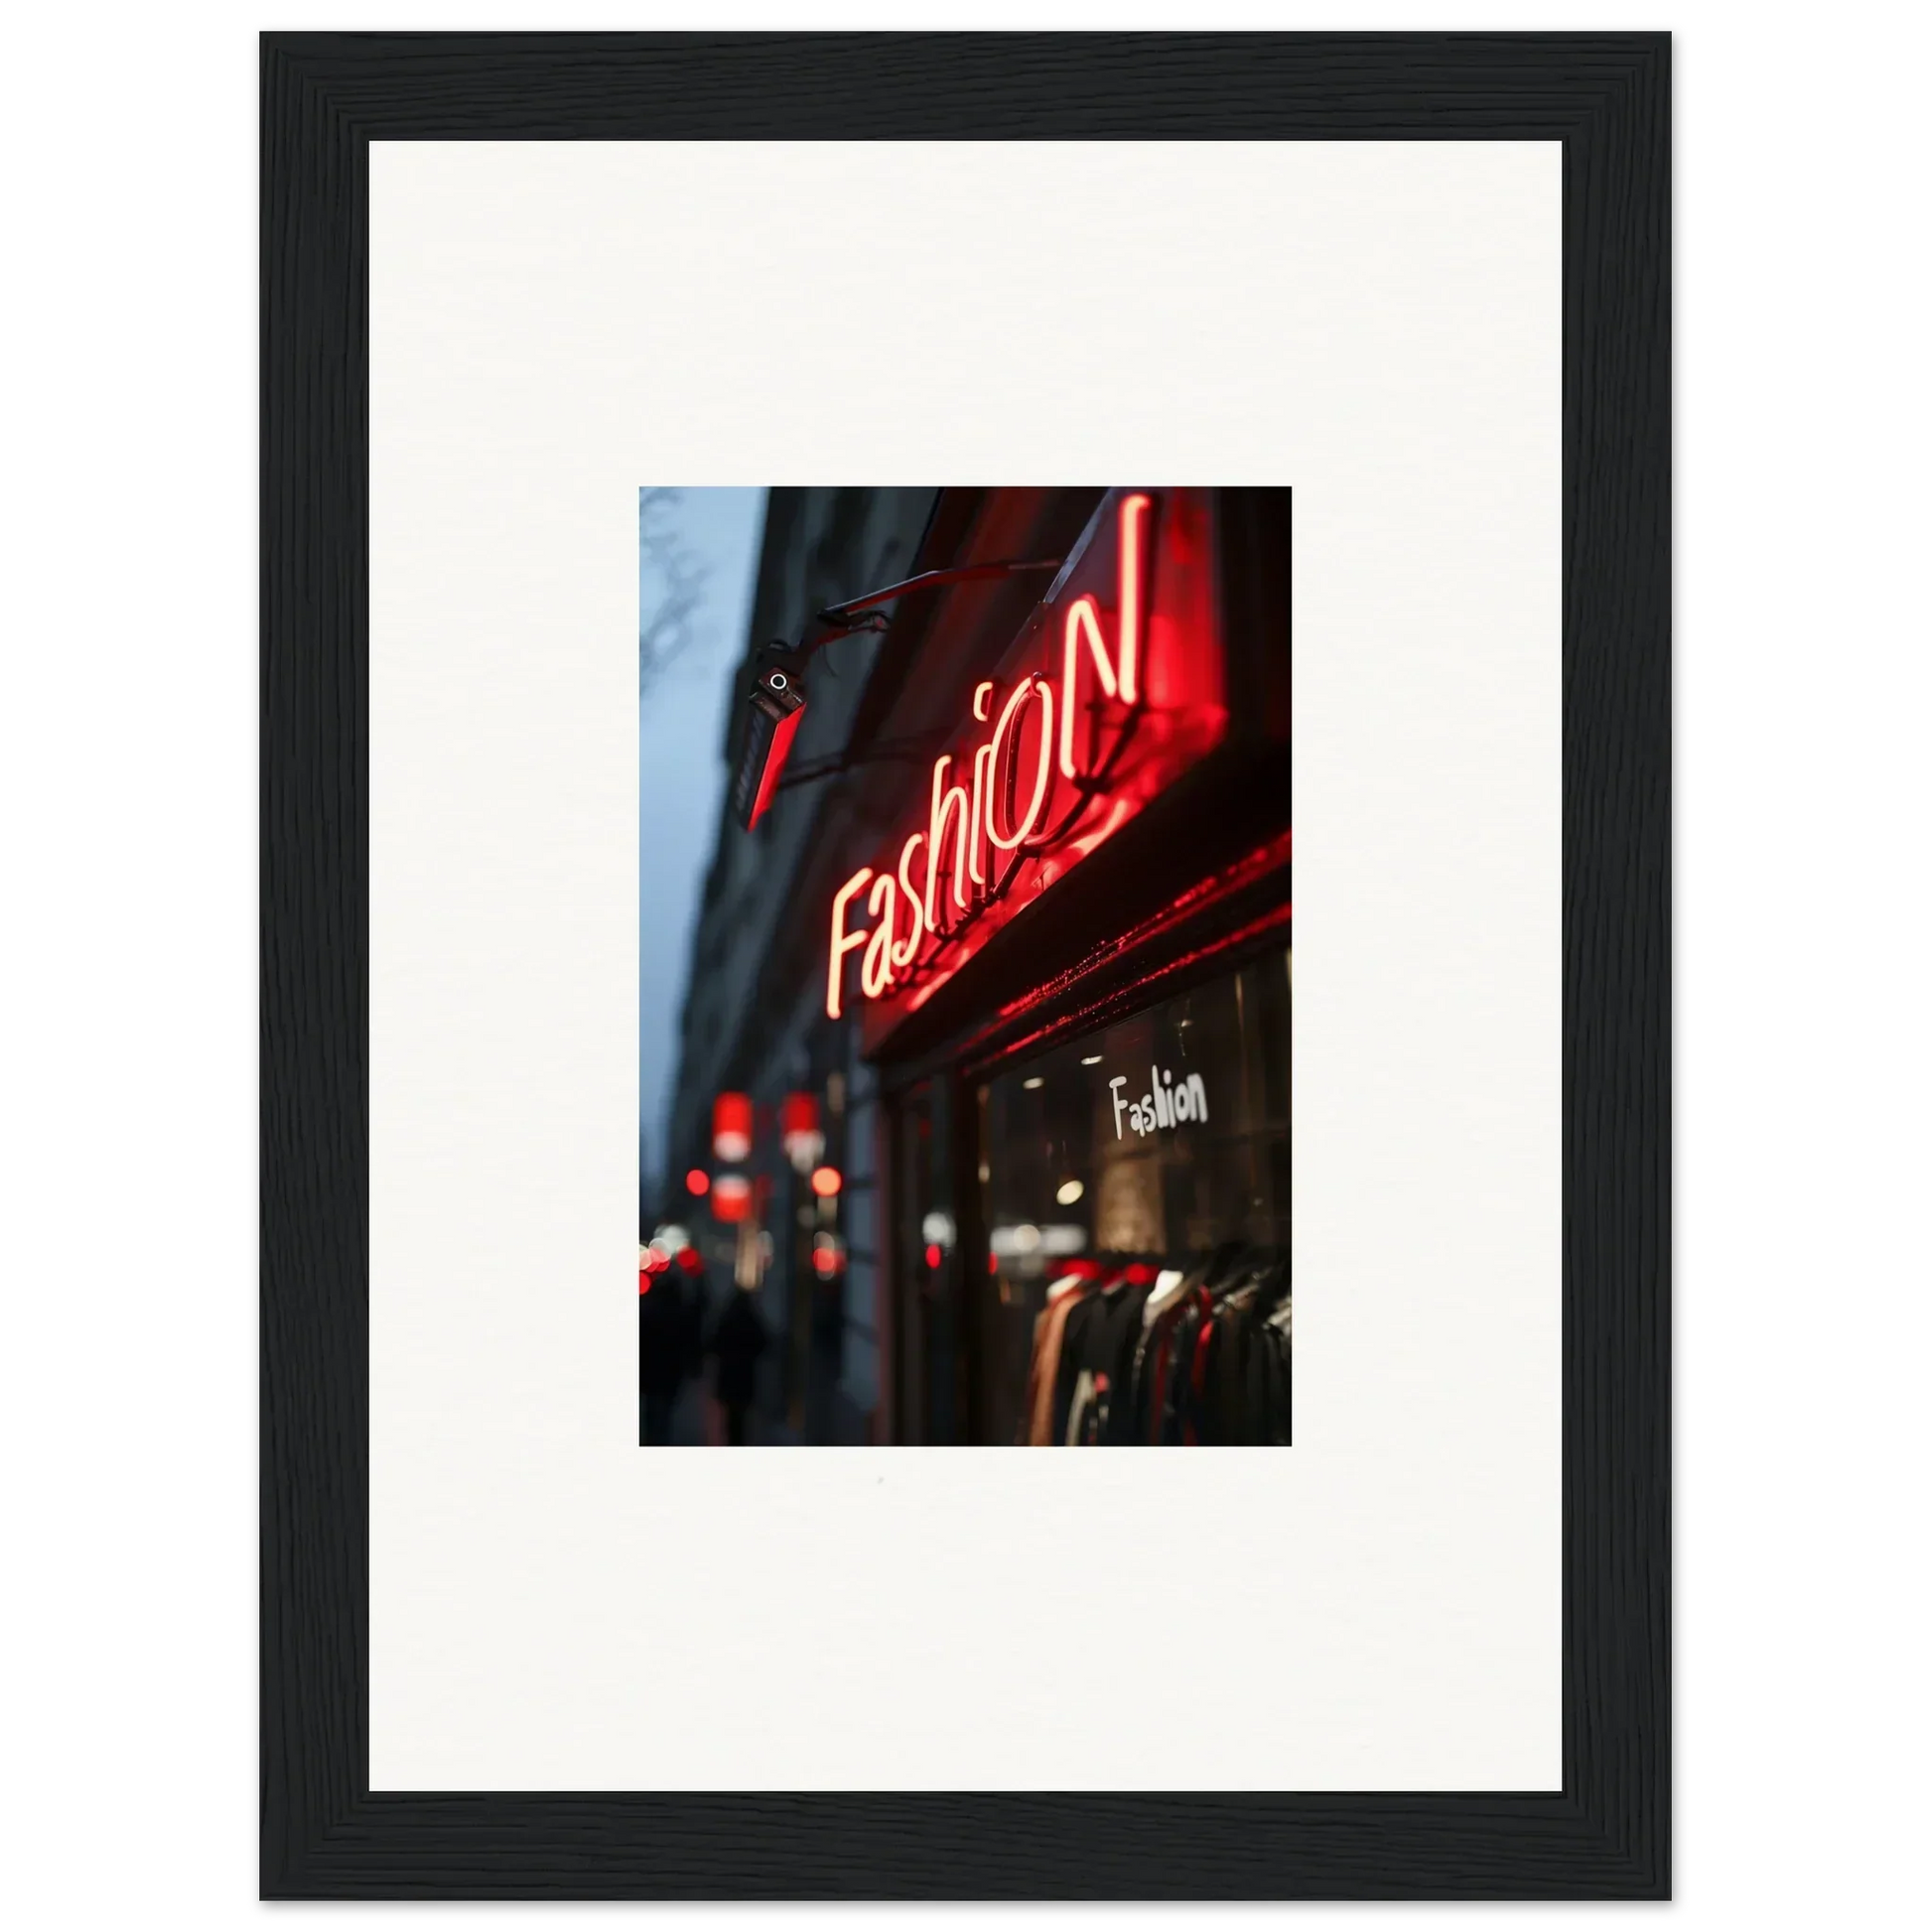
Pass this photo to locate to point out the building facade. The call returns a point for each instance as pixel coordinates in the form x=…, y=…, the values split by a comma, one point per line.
x=1015, y=931
x=750, y=1023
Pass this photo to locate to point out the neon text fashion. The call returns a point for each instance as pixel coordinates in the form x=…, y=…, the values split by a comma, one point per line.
x=983, y=811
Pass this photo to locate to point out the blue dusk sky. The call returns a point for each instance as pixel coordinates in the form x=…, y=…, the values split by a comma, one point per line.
x=681, y=725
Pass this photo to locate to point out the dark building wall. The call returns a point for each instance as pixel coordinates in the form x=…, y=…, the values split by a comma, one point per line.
x=751, y=1020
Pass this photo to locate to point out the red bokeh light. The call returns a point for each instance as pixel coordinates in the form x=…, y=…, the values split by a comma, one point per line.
x=932, y=1255
x=826, y=1181
x=698, y=1182
x=731, y=1126
x=690, y=1260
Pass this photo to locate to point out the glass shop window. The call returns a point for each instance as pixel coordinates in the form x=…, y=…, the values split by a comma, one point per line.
x=1151, y=1156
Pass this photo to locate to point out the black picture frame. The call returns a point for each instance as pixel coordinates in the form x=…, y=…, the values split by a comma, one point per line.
x=324, y=1832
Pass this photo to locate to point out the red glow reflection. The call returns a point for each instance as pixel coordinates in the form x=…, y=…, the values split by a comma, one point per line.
x=1111, y=690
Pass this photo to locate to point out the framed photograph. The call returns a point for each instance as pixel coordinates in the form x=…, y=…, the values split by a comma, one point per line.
x=804, y=581
x=975, y=1127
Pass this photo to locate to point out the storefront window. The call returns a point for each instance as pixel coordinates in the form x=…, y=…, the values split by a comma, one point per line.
x=1149, y=1160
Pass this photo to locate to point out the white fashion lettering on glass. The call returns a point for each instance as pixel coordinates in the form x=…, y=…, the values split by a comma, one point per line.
x=1167, y=1103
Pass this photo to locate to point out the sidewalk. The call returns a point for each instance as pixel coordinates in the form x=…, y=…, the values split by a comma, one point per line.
x=698, y=1423
x=690, y=1421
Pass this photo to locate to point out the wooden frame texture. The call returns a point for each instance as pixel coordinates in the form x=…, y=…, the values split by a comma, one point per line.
x=324, y=100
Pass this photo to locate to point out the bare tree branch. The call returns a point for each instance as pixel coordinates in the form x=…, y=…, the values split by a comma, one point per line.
x=671, y=586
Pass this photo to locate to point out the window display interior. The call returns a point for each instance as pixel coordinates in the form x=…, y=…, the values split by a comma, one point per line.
x=1136, y=1197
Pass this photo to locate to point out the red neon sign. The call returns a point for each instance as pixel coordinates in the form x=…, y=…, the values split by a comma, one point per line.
x=1113, y=688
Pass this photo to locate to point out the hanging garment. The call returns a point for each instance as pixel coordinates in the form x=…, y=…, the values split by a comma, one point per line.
x=1248, y=1392
x=1097, y=1363
x=1043, y=1377
x=1263, y=1391
x=1278, y=1360
x=1074, y=1379
x=1149, y=1392
x=1115, y=1344
x=1164, y=1363
x=1200, y=1422
x=1144, y=1399
x=1036, y=1363
x=1221, y=1409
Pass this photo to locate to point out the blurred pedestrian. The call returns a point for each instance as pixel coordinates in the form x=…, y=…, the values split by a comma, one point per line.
x=662, y=1327
x=736, y=1342
x=697, y=1298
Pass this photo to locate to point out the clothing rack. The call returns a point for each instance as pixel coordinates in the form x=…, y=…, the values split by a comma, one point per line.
x=1148, y=1350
